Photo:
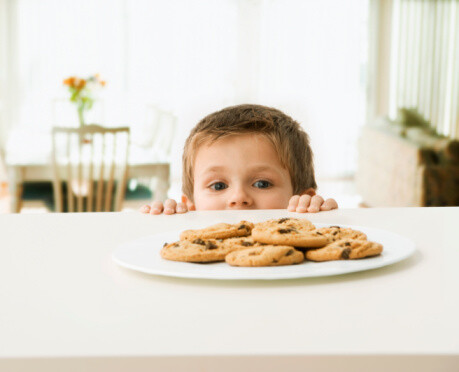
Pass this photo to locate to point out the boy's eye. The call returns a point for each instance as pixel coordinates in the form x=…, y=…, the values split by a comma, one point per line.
x=217, y=186
x=262, y=184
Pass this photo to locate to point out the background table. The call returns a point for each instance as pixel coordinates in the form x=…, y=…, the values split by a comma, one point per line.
x=29, y=159
x=66, y=306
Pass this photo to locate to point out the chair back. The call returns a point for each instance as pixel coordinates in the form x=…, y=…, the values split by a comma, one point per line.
x=90, y=168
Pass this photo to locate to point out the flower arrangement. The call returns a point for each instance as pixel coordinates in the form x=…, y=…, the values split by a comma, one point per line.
x=81, y=93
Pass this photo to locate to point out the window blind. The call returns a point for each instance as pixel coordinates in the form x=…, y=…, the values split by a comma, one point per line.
x=425, y=62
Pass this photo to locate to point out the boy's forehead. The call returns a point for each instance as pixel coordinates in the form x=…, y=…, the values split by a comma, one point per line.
x=251, y=167
x=235, y=139
x=249, y=152
x=235, y=144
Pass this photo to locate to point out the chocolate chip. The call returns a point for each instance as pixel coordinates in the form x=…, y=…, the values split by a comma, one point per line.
x=176, y=245
x=334, y=232
x=242, y=227
x=347, y=244
x=210, y=245
x=283, y=220
x=164, y=244
x=345, y=253
x=284, y=231
x=247, y=244
x=199, y=241
x=289, y=252
x=275, y=261
x=336, y=227
x=318, y=233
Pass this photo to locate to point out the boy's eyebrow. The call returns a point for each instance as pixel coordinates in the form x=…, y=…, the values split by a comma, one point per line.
x=256, y=168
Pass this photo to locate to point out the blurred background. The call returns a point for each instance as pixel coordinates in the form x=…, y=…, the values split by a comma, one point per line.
x=375, y=83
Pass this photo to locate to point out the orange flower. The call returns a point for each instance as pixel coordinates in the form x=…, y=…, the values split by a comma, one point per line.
x=70, y=81
x=81, y=84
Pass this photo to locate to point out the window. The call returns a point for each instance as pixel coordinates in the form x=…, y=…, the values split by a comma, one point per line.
x=423, y=69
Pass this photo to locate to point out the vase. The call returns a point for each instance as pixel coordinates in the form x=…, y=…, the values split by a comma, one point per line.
x=81, y=115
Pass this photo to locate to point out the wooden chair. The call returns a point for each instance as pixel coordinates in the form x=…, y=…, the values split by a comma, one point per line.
x=89, y=164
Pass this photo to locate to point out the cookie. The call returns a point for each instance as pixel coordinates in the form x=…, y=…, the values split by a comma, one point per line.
x=198, y=250
x=268, y=255
x=289, y=231
x=344, y=249
x=241, y=243
x=219, y=231
x=334, y=233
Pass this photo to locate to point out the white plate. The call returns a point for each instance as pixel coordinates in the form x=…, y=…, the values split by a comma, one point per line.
x=143, y=255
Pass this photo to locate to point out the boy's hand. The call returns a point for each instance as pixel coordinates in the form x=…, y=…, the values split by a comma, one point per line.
x=312, y=204
x=170, y=206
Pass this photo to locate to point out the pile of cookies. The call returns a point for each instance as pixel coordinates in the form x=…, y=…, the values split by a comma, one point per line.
x=284, y=241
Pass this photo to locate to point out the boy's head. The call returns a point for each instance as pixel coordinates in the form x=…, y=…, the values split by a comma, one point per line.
x=247, y=156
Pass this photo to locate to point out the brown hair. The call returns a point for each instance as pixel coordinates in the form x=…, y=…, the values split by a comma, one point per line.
x=288, y=138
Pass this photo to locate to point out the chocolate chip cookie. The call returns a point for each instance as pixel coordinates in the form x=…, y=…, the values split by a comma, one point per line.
x=241, y=243
x=334, y=233
x=219, y=231
x=344, y=249
x=289, y=231
x=268, y=255
x=197, y=250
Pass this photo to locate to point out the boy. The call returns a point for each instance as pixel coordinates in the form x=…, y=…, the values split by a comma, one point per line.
x=247, y=157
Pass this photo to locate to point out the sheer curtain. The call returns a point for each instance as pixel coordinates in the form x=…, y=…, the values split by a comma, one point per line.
x=193, y=57
x=424, y=70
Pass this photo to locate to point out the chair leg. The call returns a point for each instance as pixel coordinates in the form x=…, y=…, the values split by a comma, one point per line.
x=18, y=198
x=57, y=193
x=15, y=186
x=15, y=197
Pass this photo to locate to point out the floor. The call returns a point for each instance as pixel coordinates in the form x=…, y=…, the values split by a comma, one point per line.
x=342, y=190
x=34, y=203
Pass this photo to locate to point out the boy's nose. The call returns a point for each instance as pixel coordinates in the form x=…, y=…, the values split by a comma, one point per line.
x=240, y=199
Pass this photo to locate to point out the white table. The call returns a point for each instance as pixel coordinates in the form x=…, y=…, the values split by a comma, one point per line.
x=66, y=306
x=29, y=158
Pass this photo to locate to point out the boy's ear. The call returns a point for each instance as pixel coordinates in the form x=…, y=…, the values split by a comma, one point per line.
x=189, y=203
x=310, y=192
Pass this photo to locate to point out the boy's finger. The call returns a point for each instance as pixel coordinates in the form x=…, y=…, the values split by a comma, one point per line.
x=181, y=208
x=156, y=207
x=293, y=202
x=303, y=204
x=329, y=204
x=316, y=203
x=169, y=206
x=145, y=208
